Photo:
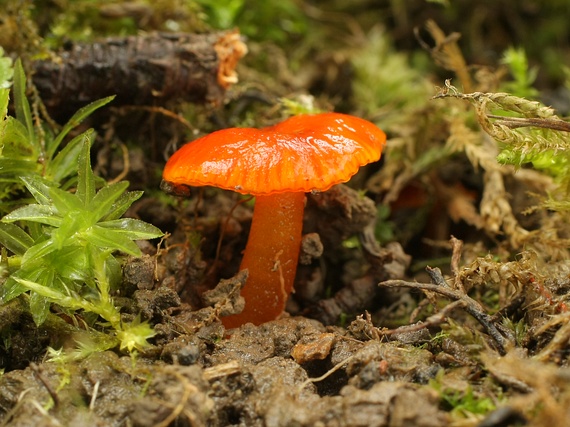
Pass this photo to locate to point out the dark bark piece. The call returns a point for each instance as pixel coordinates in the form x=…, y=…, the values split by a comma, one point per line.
x=141, y=70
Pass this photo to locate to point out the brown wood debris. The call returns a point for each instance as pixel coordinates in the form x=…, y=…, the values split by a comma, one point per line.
x=153, y=69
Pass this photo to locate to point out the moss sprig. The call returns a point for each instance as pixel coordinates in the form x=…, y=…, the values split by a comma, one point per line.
x=528, y=133
x=64, y=229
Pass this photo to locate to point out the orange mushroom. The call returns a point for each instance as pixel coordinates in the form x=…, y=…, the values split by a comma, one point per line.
x=276, y=164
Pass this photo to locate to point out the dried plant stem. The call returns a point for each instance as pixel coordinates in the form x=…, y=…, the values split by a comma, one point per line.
x=456, y=250
x=472, y=307
x=518, y=122
x=326, y=374
x=178, y=409
x=560, y=339
x=433, y=320
x=447, y=53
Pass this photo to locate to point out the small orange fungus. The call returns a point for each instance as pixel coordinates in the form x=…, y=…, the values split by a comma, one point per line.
x=277, y=165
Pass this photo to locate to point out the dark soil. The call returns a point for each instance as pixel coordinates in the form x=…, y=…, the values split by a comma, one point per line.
x=248, y=379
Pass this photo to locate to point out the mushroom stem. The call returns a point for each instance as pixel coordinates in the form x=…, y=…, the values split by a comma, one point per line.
x=271, y=256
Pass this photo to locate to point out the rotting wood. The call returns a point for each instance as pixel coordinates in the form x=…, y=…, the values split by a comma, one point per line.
x=141, y=70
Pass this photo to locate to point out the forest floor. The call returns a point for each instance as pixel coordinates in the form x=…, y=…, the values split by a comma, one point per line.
x=440, y=295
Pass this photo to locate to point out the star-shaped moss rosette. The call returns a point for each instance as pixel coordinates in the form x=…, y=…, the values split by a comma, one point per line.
x=64, y=251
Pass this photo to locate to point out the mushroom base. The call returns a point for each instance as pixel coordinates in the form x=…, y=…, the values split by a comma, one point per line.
x=271, y=257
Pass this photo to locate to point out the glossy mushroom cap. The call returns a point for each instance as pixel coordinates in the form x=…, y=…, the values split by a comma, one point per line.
x=278, y=165
x=304, y=153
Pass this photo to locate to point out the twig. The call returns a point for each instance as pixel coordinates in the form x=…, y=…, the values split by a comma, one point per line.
x=519, y=122
x=472, y=307
x=326, y=374
x=437, y=278
x=433, y=320
x=456, y=248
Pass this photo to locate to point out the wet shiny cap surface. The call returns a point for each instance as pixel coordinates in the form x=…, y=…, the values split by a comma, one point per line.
x=303, y=153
